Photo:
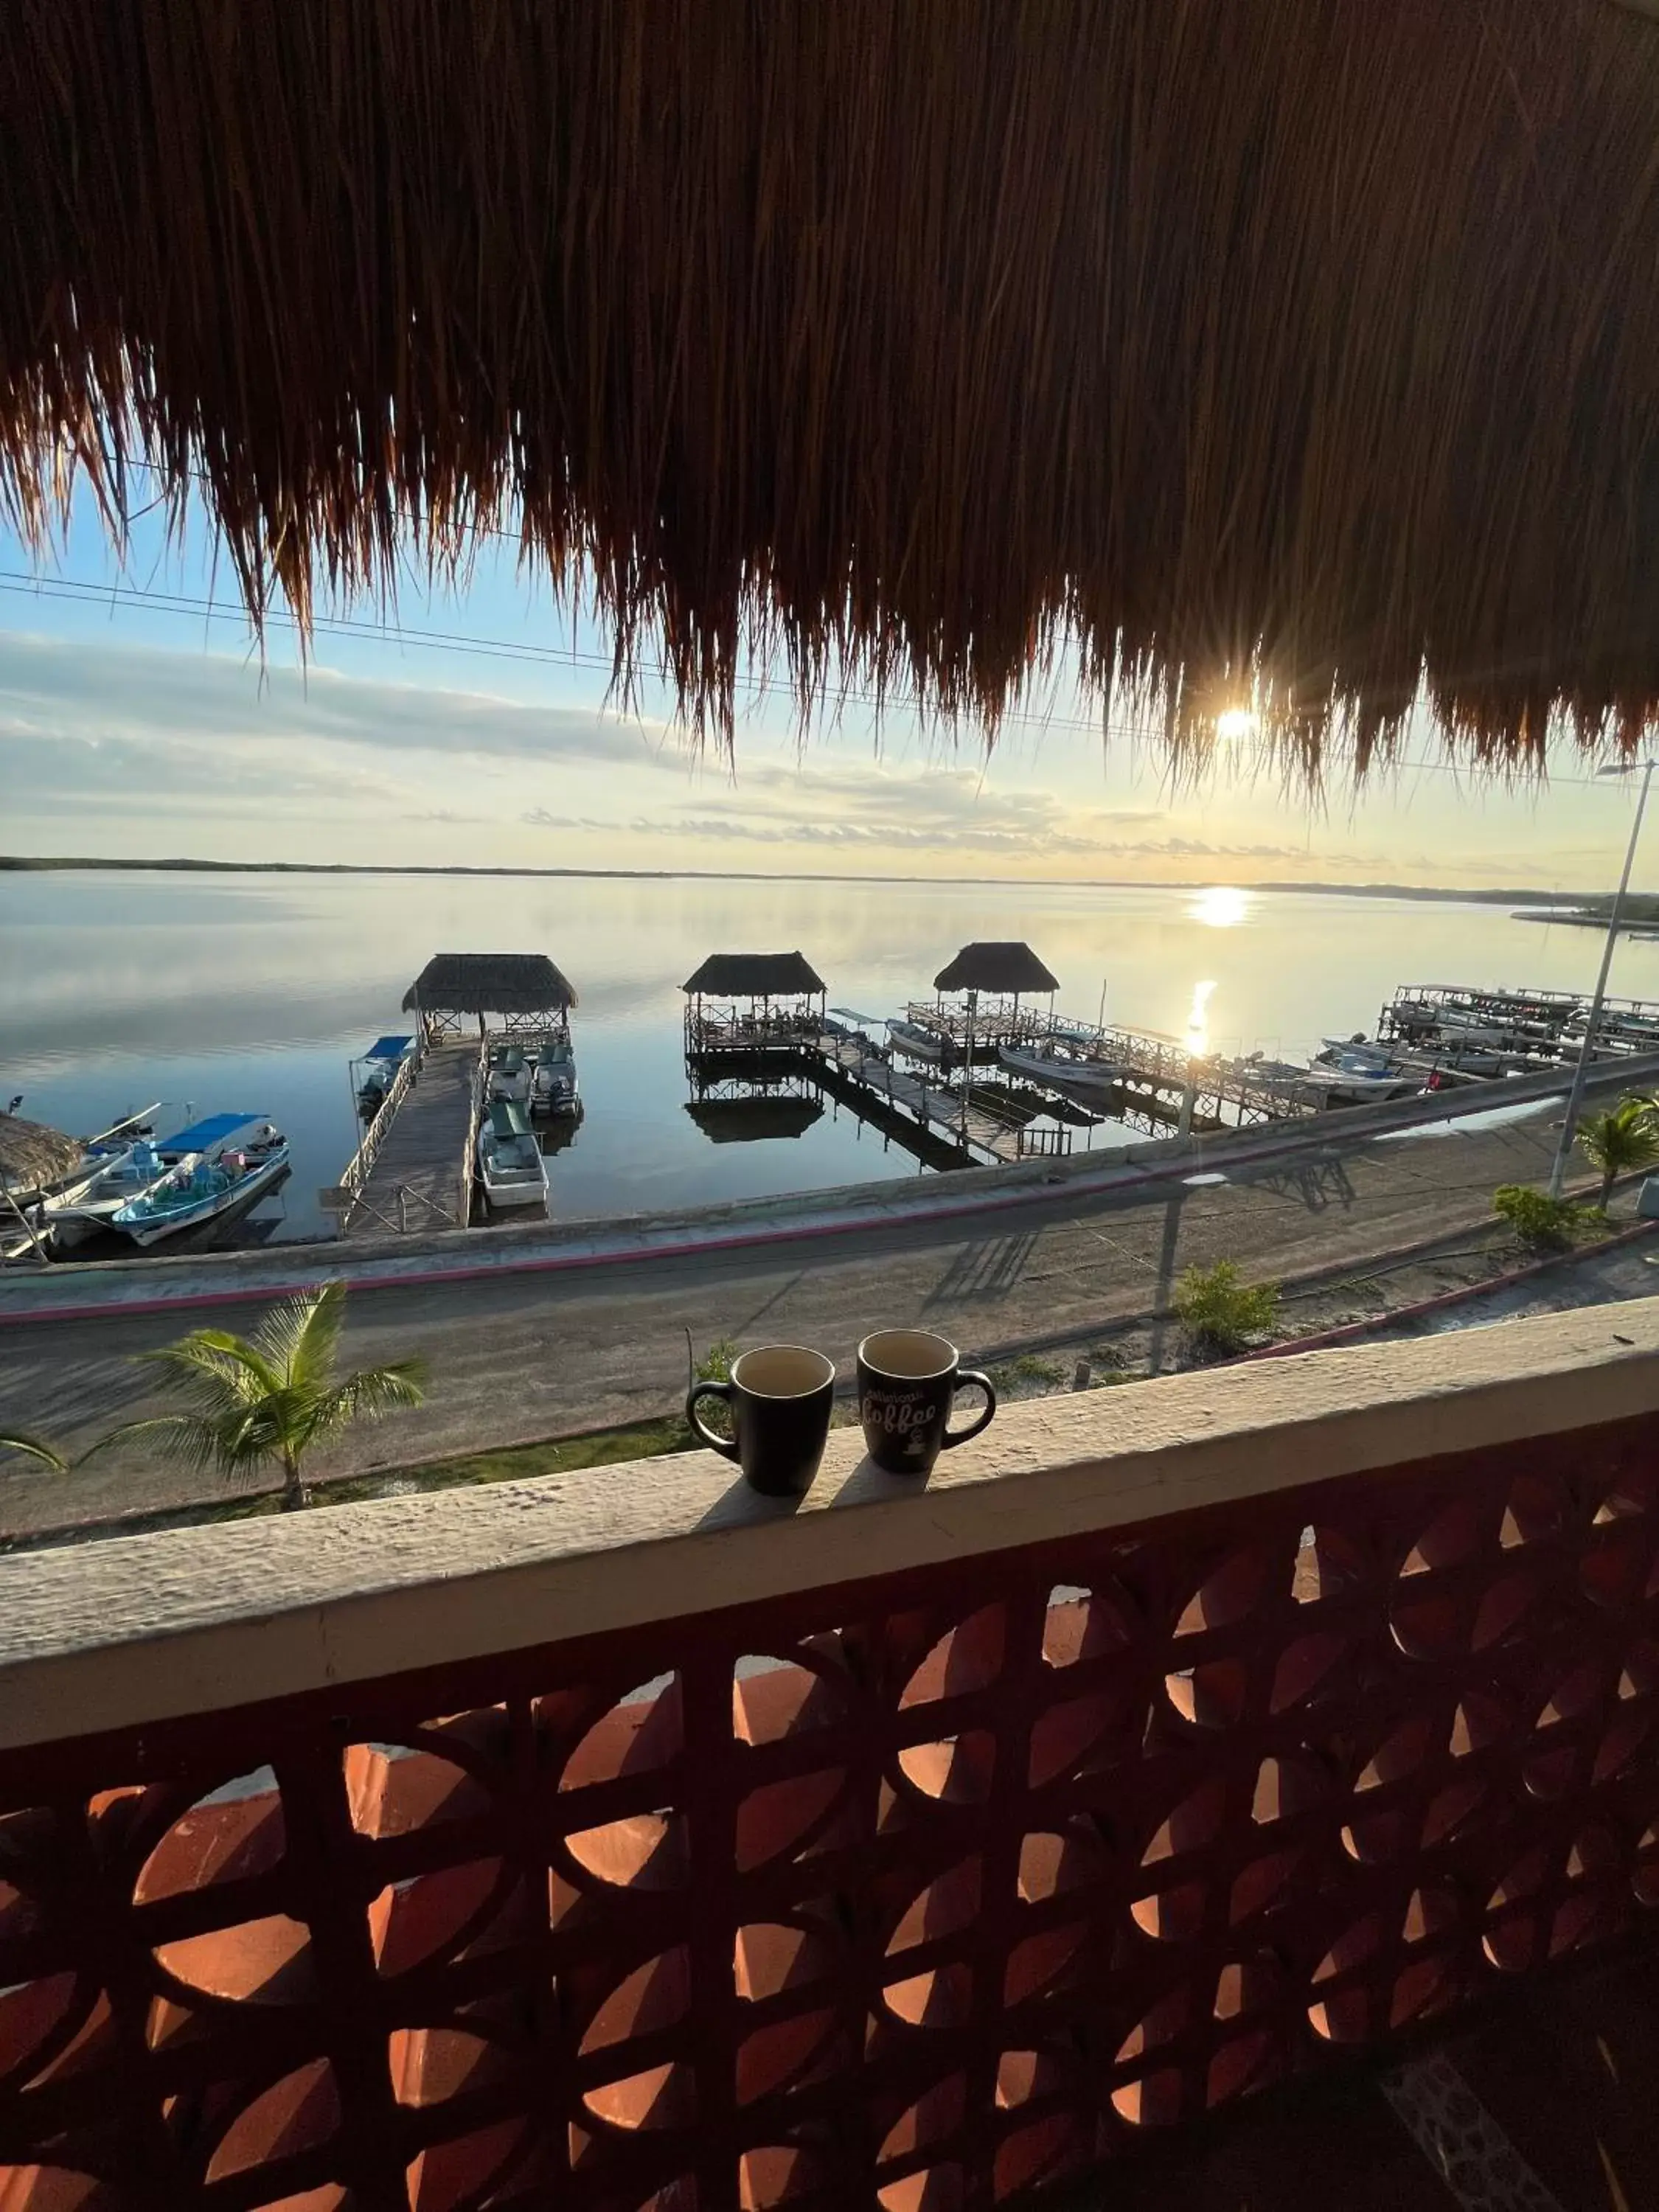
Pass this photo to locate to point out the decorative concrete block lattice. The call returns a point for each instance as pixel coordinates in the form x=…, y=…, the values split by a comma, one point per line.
x=920, y=1892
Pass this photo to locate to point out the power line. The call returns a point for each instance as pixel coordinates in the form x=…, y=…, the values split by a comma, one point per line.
x=72, y=591
x=22, y=584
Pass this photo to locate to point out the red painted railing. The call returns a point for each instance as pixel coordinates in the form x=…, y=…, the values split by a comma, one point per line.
x=921, y=1891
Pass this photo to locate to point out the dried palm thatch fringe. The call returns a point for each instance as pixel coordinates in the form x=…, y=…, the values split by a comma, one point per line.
x=1314, y=338
x=32, y=1154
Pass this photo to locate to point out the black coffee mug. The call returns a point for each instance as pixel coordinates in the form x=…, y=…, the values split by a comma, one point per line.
x=908, y=1383
x=779, y=1398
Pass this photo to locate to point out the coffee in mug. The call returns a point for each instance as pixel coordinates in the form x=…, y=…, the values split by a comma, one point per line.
x=908, y=1383
x=779, y=1398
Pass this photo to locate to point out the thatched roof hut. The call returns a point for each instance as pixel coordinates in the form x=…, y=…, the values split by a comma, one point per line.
x=1309, y=346
x=754, y=975
x=1005, y=970
x=32, y=1154
x=519, y=985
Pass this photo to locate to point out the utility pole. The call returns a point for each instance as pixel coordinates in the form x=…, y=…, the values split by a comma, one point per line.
x=1587, y=1050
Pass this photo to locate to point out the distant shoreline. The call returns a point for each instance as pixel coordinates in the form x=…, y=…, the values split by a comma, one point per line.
x=1579, y=905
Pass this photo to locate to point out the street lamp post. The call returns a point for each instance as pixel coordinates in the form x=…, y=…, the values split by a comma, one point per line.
x=1575, y=1095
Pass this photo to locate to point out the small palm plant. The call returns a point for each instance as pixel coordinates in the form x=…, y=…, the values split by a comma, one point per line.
x=1622, y=1141
x=254, y=1401
x=1220, y=1312
x=12, y=1440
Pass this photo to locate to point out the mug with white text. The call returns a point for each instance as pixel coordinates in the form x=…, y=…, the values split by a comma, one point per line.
x=908, y=1383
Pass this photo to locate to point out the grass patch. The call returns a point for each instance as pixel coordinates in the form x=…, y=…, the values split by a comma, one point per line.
x=517, y=1462
x=511, y=1463
x=1028, y=1374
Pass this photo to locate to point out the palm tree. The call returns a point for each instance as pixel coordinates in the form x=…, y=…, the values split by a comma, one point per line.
x=269, y=1397
x=1620, y=1141
x=33, y=1448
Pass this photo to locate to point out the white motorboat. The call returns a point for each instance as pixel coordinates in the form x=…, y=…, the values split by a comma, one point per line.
x=553, y=1086
x=918, y=1044
x=1348, y=1075
x=225, y=1162
x=1279, y=1078
x=1359, y=1050
x=1062, y=1060
x=510, y=1164
x=111, y=1176
x=509, y=1073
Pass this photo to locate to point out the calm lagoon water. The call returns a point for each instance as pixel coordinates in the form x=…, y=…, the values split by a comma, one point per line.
x=253, y=991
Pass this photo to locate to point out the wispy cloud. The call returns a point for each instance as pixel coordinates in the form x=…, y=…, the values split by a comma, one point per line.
x=57, y=688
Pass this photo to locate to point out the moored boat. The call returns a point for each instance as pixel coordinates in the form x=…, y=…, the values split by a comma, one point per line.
x=1063, y=1060
x=226, y=1163
x=1280, y=1079
x=1350, y=1075
x=379, y=1068
x=511, y=1167
x=553, y=1086
x=118, y=1168
x=918, y=1044
x=509, y=1073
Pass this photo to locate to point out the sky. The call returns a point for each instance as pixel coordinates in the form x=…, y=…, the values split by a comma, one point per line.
x=139, y=720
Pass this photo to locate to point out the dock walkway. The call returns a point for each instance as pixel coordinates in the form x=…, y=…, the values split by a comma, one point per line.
x=936, y=1106
x=414, y=1180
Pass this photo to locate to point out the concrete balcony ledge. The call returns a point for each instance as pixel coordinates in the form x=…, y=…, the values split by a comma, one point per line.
x=627, y=1839
x=130, y=1632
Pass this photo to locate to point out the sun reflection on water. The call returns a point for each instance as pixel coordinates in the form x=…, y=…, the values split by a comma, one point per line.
x=1197, y=1021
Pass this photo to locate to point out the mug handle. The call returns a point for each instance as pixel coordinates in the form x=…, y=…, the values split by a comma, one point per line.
x=725, y=1446
x=981, y=1420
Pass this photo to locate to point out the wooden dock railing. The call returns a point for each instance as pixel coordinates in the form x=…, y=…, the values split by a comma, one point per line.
x=469, y=1152
x=358, y=1167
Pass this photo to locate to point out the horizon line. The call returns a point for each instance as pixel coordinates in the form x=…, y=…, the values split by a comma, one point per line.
x=23, y=863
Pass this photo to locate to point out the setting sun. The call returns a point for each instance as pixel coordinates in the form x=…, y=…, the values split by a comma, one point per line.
x=1222, y=906
x=1238, y=723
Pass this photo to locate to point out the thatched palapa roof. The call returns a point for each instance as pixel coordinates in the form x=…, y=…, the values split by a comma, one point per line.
x=489, y=983
x=754, y=975
x=1009, y=970
x=32, y=1154
x=910, y=337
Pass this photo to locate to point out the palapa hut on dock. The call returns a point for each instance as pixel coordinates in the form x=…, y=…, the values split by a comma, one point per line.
x=980, y=994
x=520, y=994
x=752, y=1025
x=753, y=1003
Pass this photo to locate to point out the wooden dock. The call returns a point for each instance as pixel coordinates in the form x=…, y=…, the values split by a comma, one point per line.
x=412, y=1172
x=973, y=1132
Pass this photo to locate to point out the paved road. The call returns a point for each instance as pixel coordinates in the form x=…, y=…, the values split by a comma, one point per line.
x=527, y=1357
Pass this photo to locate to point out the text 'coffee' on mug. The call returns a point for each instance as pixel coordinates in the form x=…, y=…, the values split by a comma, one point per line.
x=779, y=1398
x=908, y=1383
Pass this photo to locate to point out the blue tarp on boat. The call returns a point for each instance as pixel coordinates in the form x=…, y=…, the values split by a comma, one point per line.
x=389, y=1048
x=201, y=1134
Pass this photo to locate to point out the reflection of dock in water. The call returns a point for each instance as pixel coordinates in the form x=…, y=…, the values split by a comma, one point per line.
x=756, y=1117
x=754, y=1089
